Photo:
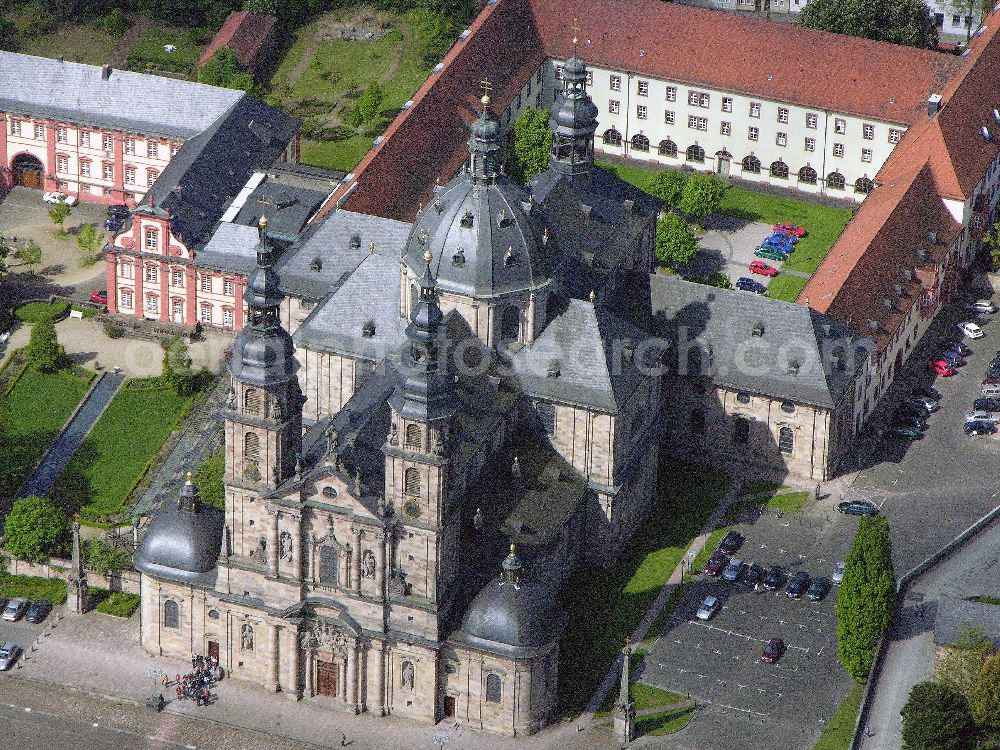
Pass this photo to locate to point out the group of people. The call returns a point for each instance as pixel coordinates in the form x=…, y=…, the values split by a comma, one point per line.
x=197, y=684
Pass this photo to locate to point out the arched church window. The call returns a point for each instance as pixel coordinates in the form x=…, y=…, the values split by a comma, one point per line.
x=251, y=401
x=413, y=437
x=751, y=164
x=741, y=430
x=494, y=688
x=251, y=446
x=411, y=482
x=329, y=565
x=835, y=181
x=807, y=175
x=667, y=148
x=786, y=439
x=612, y=137
x=171, y=614
x=695, y=153
x=779, y=169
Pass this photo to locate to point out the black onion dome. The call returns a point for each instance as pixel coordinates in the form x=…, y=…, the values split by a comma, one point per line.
x=263, y=357
x=181, y=544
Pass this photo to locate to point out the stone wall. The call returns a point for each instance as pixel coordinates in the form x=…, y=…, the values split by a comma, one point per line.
x=59, y=568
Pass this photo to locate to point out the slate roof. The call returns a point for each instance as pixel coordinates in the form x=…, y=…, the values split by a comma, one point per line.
x=181, y=545
x=287, y=208
x=245, y=34
x=341, y=241
x=77, y=93
x=952, y=614
x=210, y=170
x=789, y=335
x=232, y=248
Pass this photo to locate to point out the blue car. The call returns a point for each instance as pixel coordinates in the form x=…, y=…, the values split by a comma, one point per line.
x=749, y=285
x=791, y=239
x=776, y=244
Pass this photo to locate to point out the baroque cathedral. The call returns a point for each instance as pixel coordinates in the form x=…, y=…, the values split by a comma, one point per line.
x=402, y=551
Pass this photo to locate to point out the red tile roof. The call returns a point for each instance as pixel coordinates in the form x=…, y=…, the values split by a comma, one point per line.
x=245, y=34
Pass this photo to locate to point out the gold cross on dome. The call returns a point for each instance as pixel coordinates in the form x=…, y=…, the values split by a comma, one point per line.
x=576, y=33
x=486, y=87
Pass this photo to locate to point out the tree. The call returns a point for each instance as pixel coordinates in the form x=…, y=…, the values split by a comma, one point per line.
x=115, y=23
x=718, y=279
x=867, y=597
x=209, y=480
x=963, y=659
x=220, y=68
x=44, y=350
x=241, y=81
x=702, y=195
x=35, y=529
x=675, y=241
x=264, y=7
x=532, y=143
x=4, y=253
x=668, y=186
x=31, y=254
x=906, y=22
x=936, y=717
x=178, y=372
x=105, y=558
x=59, y=213
x=992, y=240
x=90, y=241
x=367, y=107
x=984, y=694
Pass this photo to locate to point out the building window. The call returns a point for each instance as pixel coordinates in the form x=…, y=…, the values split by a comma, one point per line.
x=866, y=154
x=251, y=446
x=698, y=99
x=671, y=93
x=129, y=175
x=152, y=274
x=839, y=126
x=126, y=270
x=126, y=297
x=85, y=138
x=227, y=318
x=206, y=313
x=177, y=278
x=868, y=132
x=84, y=168
x=695, y=153
x=726, y=128
x=494, y=689
x=640, y=142
x=329, y=565
x=612, y=137
x=614, y=106
x=782, y=115
x=779, y=170
x=668, y=117
x=781, y=139
x=667, y=148
x=786, y=440
x=206, y=282
x=62, y=135
x=643, y=88
x=697, y=123
x=107, y=142
x=811, y=120
x=152, y=304
x=173, y=150
x=895, y=135
x=810, y=144
x=108, y=171
x=741, y=430
x=152, y=241
x=838, y=149
x=751, y=164
x=151, y=175
x=753, y=133
x=615, y=83
x=807, y=175
x=129, y=145
x=788, y=407
x=251, y=401
x=15, y=127
x=640, y=111
x=727, y=104
x=151, y=150
x=62, y=164
x=755, y=109
x=411, y=482
x=743, y=398
x=835, y=180
x=171, y=614
x=413, y=437
x=863, y=185
x=228, y=287
x=39, y=132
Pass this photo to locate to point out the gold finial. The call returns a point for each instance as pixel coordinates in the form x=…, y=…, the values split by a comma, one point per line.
x=371, y=246
x=545, y=232
x=262, y=222
x=486, y=87
x=437, y=180
x=190, y=476
x=420, y=206
x=512, y=550
x=576, y=34
x=593, y=296
x=428, y=257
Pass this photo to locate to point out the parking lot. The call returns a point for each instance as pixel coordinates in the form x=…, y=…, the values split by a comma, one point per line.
x=23, y=633
x=746, y=703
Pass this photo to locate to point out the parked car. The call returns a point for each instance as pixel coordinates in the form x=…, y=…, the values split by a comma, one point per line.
x=780, y=236
x=118, y=212
x=762, y=251
x=980, y=416
x=751, y=577
x=941, y=367
x=911, y=420
x=715, y=564
x=983, y=306
x=773, y=650
x=38, y=611
x=952, y=358
x=838, y=573
x=993, y=371
x=986, y=404
x=797, y=585
x=760, y=267
x=733, y=569
x=747, y=284
x=777, y=243
x=961, y=348
x=991, y=380
x=15, y=610
x=819, y=588
x=100, y=296
x=113, y=225
x=971, y=330
x=858, y=508
x=788, y=228
x=927, y=405
x=772, y=578
x=980, y=428
x=990, y=390
x=708, y=608
x=731, y=542
x=906, y=432
x=8, y=655
x=926, y=392
x=57, y=197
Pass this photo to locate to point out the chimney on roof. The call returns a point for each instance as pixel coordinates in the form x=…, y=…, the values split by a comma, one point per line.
x=105, y=72
x=933, y=104
x=61, y=58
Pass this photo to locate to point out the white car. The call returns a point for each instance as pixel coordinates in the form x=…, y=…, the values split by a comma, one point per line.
x=983, y=306
x=15, y=610
x=708, y=608
x=971, y=330
x=838, y=574
x=8, y=655
x=57, y=197
x=981, y=416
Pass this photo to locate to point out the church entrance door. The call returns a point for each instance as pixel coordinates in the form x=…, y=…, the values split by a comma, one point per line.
x=213, y=649
x=329, y=678
x=449, y=706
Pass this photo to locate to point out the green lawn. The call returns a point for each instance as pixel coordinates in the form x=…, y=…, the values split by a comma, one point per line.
x=118, y=603
x=117, y=453
x=33, y=588
x=786, y=287
x=790, y=502
x=606, y=606
x=90, y=43
x=840, y=729
x=148, y=52
x=665, y=722
x=341, y=155
x=31, y=417
x=35, y=311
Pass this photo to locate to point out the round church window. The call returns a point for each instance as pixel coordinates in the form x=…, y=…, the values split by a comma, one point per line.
x=213, y=614
x=330, y=492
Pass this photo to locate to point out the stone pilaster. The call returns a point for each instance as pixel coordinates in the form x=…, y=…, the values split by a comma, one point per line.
x=272, y=543
x=274, y=658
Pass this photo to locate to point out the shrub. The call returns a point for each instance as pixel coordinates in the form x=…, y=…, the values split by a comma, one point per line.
x=209, y=480
x=36, y=311
x=367, y=107
x=104, y=558
x=115, y=23
x=668, y=186
x=33, y=588
x=532, y=141
x=936, y=717
x=112, y=330
x=44, y=350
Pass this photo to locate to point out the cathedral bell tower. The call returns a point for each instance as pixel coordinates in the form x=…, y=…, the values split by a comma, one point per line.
x=264, y=413
x=573, y=119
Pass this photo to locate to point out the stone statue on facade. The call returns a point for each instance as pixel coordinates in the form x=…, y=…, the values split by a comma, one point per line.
x=246, y=637
x=408, y=675
x=285, y=545
x=368, y=564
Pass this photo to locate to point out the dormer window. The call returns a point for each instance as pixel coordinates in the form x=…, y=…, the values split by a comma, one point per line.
x=368, y=329
x=793, y=367
x=553, y=370
x=458, y=259
x=510, y=258
x=355, y=242
x=467, y=220
x=502, y=219
x=758, y=330
x=316, y=264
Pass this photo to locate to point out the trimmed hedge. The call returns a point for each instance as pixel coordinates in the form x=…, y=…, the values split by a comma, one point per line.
x=33, y=588
x=119, y=604
x=35, y=311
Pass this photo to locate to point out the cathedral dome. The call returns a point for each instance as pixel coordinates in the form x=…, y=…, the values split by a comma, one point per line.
x=263, y=357
x=182, y=543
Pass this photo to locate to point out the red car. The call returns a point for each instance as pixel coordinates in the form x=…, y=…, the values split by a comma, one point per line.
x=773, y=650
x=787, y=228
x=941, y=367
x=715, y=563
x=99, y=296
x=759, y=266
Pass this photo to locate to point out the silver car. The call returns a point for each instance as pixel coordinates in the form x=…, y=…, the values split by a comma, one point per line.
x=8, y=655
x=981, y=416
x=838, y=573
x=15, y=610
x=708, y=608
x=983, y=306
x=733, y=570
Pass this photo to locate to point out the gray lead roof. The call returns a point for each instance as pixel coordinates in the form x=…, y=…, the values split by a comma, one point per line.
x=73, y=92
x=180, y=544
